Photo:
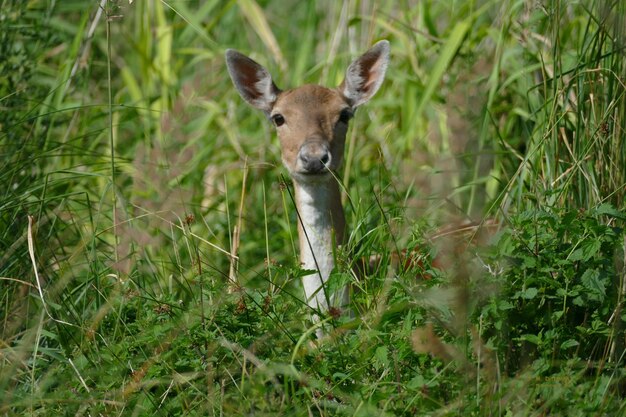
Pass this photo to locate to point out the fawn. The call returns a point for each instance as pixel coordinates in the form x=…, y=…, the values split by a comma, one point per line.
x=312, y=122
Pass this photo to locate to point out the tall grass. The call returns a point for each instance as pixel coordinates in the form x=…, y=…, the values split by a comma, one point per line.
x=150, y=185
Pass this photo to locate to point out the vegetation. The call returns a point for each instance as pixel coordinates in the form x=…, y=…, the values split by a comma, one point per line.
x=136, y=184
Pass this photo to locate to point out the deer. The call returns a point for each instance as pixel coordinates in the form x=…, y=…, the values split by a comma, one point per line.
x=311, y=122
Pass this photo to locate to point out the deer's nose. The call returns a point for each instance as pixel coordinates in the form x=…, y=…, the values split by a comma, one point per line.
x=314, y=157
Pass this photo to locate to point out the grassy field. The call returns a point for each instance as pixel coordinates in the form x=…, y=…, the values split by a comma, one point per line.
x=136, y=183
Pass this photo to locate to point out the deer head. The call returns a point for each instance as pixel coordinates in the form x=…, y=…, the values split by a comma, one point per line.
x=311, y=120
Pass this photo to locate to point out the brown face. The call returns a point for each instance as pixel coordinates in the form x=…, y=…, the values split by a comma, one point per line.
x=311, y=122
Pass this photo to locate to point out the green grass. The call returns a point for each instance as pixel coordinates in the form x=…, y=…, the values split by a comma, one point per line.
x=150, y=183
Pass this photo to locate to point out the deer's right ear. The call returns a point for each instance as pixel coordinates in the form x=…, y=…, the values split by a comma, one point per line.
x=253, y=82
x=366, y=74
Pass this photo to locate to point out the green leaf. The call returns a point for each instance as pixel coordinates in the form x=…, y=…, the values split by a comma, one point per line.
x=592, y=282
x=556, y=316
x=608, y=210
x=576, y=255
x=586, y=250
x=340, y=376
x=529, y=262
x=417, y=382
x=569, y=344
x=529, y=293
x=532, y=338
x=381, y=357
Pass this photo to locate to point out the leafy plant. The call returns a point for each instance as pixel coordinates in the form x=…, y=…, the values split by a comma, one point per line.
x=560, y=286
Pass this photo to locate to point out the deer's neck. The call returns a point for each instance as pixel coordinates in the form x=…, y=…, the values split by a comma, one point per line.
x=321, y=226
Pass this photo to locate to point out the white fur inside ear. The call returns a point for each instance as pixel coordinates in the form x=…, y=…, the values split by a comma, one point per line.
x=253, y=82
x=353, y=82
x=365, y=74
x=265, y=88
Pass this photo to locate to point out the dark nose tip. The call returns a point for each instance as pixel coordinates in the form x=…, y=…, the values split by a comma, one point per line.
x=314, y=157
x=314, y=163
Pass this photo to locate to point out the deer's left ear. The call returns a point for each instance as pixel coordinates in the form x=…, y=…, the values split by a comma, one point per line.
x=366, y=74
x=253, y=82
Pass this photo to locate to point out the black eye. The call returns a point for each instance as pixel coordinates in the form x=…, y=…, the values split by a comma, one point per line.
x=345, y=115
x=278, y=119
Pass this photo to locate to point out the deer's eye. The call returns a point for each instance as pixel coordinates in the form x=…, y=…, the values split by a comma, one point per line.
x=345, y=115
x=278, y=119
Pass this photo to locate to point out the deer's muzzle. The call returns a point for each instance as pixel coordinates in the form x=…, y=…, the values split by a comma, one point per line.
x=314, y=157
